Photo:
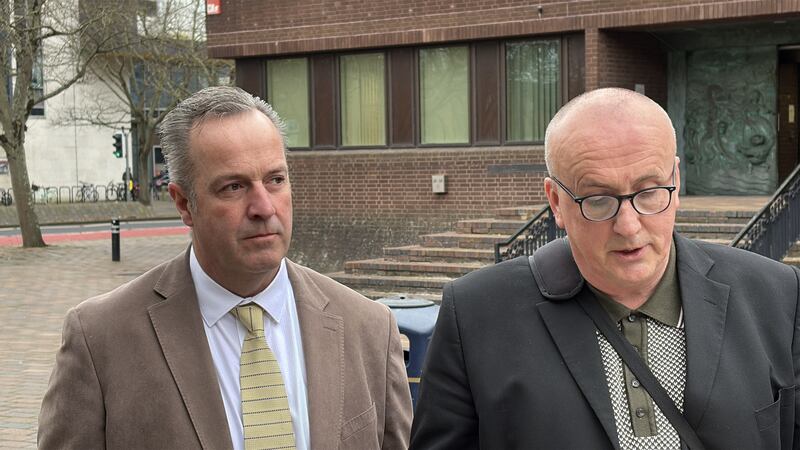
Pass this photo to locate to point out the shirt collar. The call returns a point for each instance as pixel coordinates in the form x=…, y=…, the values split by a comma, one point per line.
x=664, y=305
x=215, y=301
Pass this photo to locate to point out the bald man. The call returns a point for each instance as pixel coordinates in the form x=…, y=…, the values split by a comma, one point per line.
x=518, y=360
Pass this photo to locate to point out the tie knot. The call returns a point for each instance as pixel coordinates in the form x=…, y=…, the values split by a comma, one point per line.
x=251, y=316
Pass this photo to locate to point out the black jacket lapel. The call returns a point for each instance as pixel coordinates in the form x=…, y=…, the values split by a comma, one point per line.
x=576, y=340
x=705, y=304
x=573, y=332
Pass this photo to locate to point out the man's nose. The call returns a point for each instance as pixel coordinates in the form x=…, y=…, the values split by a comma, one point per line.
x=260, y=204
x=627, y=222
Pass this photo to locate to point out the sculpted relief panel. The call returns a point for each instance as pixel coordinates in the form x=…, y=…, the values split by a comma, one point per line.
x=730, y=131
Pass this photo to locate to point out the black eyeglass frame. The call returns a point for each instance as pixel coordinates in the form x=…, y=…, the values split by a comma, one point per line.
x=620, y=198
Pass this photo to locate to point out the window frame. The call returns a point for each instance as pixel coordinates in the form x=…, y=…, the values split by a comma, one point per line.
x=309, y=94
x=470, y=99
x=338, y=102
x=402, y=76
x=562, y=78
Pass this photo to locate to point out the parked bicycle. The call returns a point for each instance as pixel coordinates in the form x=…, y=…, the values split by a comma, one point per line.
x=87, y=193
x=5, y=197
x=115, y=191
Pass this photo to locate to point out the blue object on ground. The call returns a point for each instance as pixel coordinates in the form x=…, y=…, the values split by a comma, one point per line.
x=416, y=319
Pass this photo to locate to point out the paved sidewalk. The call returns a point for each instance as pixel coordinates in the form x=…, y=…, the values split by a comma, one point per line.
x=37, y=287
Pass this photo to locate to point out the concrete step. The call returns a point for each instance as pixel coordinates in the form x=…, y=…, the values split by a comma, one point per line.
x=792, y=260
x=708, y=216
x=429, y=254
x=720, y=241
x=408, y=284
x=683, y=214
x=383, y=266
x=709, y=230
x=524, y=212
x=795, y=250
x=377, y=294
x=489, y=226
x=508, y=227
x=462, y=240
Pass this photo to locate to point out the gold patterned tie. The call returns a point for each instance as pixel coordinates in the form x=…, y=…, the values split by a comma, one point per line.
x=265, y=407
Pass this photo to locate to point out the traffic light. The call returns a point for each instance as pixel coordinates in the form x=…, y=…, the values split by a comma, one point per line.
x=118, y=145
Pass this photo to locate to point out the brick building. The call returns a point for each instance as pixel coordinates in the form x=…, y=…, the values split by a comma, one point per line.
x=380, y=96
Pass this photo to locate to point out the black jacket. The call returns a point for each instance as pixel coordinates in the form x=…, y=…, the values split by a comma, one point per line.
x=512, y=365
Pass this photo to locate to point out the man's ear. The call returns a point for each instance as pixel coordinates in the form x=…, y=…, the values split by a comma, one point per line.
x=551, y=191
x=181, y=203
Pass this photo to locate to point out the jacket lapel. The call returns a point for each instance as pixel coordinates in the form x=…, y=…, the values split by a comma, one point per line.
x=323, y=347
x=179, y=328
x=705, y=303
x=576, y=340
x=573, y=332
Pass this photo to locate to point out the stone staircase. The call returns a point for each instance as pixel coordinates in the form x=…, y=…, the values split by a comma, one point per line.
x=421, y=270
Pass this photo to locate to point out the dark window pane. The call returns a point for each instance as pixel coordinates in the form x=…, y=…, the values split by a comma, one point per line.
x=363, y=99
x=532, y=88
x=444, y=95
x=287, y=92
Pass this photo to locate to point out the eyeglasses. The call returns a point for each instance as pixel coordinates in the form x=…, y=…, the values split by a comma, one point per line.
x=598, y=208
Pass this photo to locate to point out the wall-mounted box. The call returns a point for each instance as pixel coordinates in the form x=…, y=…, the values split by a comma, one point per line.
x=439, y=183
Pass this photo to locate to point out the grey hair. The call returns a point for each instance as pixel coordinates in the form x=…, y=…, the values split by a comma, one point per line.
x=210, y=103
x=618, y=96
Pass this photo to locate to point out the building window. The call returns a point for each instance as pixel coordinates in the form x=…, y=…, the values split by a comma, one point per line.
x=287, y=92
x=532, y=88
x=363, y=99
x=37, y=84
x=444, y=95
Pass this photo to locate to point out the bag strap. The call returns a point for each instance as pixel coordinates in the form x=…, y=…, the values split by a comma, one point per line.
x=640, y=370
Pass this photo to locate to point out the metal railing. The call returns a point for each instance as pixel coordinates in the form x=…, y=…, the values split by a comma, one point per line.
x=540, y=230
x=774, y=230
x=84, y=193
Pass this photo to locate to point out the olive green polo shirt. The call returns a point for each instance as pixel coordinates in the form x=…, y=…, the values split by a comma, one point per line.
x=656, y=331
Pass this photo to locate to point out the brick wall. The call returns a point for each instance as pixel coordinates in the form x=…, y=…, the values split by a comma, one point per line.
x=252, y=27
x=624, y=59
x=349, y=204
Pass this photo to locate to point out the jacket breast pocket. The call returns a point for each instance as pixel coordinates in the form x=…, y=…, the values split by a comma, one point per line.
x=776, y=421
x=361, y=432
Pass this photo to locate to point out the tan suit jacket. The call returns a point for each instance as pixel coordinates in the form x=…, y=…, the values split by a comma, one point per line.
x=135, y=371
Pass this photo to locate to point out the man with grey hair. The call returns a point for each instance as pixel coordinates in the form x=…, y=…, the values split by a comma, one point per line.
x=229, y=345
x=625, y=335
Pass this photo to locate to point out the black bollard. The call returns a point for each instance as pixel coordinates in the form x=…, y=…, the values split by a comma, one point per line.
x=114, y=239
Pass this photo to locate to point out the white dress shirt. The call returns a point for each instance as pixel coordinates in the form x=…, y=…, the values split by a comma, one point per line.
x=226, y=334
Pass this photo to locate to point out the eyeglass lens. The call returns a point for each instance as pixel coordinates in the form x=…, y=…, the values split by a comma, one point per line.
x=648, y=201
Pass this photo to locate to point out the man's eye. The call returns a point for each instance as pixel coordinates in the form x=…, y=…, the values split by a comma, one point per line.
x=278, y=180
x=233, y=187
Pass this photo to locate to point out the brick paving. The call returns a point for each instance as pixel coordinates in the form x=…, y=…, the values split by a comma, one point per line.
x=37, y=287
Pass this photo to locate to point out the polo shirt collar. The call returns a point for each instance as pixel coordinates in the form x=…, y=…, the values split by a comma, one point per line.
x=664, y=305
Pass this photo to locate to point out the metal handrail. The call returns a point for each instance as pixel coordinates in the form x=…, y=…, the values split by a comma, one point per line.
x=538, y=231
x=776, y=227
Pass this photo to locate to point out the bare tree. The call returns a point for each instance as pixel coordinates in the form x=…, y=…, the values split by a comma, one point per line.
x=162, y=61
x=49, y=37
